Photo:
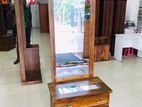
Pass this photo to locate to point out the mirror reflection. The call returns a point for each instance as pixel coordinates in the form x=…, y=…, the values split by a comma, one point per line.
x=69, y=38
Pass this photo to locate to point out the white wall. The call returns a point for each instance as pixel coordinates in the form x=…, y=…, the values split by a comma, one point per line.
x=35, y=15
x=140, y=3
x=132, y=10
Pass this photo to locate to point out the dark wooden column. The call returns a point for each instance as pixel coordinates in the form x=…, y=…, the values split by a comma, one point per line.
x=2, y=21
x=44, y=18
x=119, y=19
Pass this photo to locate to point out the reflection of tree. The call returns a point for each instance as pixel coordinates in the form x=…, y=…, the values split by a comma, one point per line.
x=62, y=11
x=68, y=11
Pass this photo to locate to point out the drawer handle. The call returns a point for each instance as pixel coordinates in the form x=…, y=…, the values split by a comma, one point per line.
x=101, y=101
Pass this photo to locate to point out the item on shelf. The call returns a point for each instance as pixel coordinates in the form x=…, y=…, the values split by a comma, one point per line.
x=137, y=30
x=129, y=23
x=128, y=52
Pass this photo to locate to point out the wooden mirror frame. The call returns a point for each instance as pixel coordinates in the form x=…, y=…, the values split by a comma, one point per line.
x=91, y=45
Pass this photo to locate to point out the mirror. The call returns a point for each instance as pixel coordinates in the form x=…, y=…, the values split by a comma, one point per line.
x=69, y=20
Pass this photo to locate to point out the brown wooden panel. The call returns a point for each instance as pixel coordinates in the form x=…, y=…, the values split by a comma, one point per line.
x=105, y=17
x=119, y=16
x=107, y=24
x=44, y=18
x=101, y=52
x=118, y=21
x=106, y=105
x=110, y=20
x=29, y=57
x=84, y=101
x=32, y=64
x=86, y=39
x=21, y=36
x=97, y=17
x=89, y=98
x=123, y=11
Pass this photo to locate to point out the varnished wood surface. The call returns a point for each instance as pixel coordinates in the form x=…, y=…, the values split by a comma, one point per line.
x=21, y=36
x=86, y=39
x=88, y=98
x=29, y=57
x=92, y=37
x=33, y=72
x=44, y=18
x=105, y=105
x=102, y=52
x=107, y=21
x=95, y=80
x=73, y=78
x=88, y=101
x=52, y=40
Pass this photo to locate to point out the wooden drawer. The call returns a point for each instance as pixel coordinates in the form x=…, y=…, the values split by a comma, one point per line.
x=106, y=105
x=89, y=101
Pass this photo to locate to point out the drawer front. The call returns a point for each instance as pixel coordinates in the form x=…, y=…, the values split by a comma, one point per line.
x=91, y=101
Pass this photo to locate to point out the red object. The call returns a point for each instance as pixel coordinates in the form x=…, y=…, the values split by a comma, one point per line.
x=31, y=1
x=128, y=52
x=125, y=52
x=4, y=1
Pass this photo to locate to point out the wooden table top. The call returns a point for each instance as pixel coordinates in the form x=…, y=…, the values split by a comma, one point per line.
x=78, y=88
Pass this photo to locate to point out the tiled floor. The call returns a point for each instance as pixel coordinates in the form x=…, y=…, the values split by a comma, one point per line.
x=125, y=78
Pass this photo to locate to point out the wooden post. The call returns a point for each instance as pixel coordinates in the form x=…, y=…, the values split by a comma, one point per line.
x=92, y=37
x=52, y=40
x=21, y=35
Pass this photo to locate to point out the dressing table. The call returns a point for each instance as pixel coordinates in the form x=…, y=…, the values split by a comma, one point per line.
x=73, y=82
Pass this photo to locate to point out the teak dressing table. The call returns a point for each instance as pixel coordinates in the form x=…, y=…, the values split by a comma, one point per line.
x=73, y=82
